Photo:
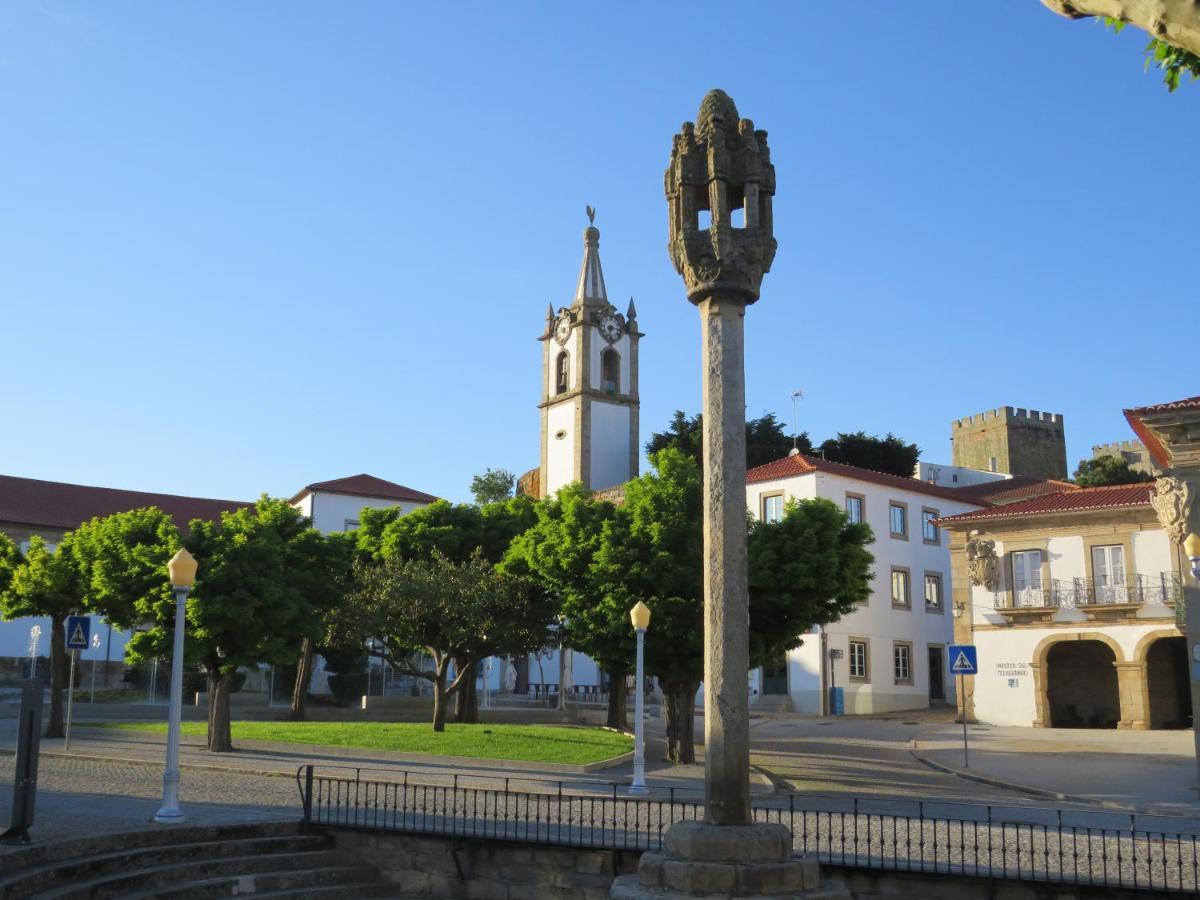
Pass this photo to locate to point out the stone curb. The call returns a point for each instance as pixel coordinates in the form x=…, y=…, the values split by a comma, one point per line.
x=914, y=749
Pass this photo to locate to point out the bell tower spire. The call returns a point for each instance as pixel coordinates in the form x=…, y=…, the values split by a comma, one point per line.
x=590, y=288
x=590, y=404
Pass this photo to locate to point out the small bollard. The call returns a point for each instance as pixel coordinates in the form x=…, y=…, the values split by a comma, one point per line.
x=29, y=734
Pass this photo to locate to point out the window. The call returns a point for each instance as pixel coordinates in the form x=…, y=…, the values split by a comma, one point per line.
x=610, y=371
x=350, y=524
x=901, y=587
x=1027, y=578
x=772, y=508
x=930, y=533
x=562, y=377
x=854, y=508
x=933, y=591
x=860, y=668
x=898, y=519
x=1108, y=574
x=902, y=662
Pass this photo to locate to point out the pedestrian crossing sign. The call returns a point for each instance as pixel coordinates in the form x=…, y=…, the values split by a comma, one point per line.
x=79, y=630
x=963, y=660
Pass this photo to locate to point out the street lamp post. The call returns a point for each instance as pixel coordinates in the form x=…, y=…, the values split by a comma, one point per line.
x=640, y=616
x=182, y=569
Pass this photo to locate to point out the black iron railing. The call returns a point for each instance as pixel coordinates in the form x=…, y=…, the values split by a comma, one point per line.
x=1165, y=588
x=1072, y=846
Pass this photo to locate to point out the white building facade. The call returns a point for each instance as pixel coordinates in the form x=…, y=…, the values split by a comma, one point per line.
x=890, y=652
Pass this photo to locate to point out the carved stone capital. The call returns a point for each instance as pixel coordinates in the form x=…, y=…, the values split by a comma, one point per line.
x=1172, y=502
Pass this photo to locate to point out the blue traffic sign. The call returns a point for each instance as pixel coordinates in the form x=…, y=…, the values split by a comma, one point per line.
x=963, y=660
x=79, y=632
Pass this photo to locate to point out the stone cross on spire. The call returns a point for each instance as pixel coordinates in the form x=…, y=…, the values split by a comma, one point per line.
x=590, y=290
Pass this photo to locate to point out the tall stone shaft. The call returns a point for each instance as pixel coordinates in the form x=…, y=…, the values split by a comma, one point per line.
x=726, y=594
x=721, y=173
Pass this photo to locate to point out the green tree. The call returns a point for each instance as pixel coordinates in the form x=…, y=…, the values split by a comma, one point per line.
x=250, y=602
x=449, y=611
x=122, y=560
x=1174, y=27
x=887, y=454
x=493, y=486
x=809, y=568
x=10, y=559
x=560, y=552
x=1107, y=470
x=321, y=565
x=47, y=583
x=765, y=439
x=654, y=553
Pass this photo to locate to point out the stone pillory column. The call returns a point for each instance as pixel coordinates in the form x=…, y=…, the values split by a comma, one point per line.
x=721, y=168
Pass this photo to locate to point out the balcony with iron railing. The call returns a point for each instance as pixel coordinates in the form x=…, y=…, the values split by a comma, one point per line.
x=1098, y=598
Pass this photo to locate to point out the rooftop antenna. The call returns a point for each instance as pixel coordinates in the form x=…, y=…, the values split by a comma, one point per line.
x=797, y=396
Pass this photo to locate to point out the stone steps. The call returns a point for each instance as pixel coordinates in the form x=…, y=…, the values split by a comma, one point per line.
x=272, y=859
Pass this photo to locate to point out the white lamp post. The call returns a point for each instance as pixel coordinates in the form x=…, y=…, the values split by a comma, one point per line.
x=640, y=616
x=182, y=569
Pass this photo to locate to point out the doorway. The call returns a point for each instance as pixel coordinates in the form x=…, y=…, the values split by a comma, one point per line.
x=1081, y=681
x=774, y=676
x=937, y=675
x=1167, y=684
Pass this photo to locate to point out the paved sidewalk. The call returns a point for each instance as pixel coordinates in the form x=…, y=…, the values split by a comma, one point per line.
x=1145, y=770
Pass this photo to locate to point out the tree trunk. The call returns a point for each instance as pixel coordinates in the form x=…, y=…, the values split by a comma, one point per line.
x=466, y=699
x=220, y=689
x=439, y=697
x=1174, y=21
x=681, y=715
x=616, y=702
x=303, y=676
x=58, y=674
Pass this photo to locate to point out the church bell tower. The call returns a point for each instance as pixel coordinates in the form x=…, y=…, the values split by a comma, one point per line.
x=589, y=384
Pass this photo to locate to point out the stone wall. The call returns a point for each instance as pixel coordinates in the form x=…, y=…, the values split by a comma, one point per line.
x=1022, y=442
x=473, y=869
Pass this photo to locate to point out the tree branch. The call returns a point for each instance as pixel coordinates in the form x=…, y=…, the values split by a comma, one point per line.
x=1174, y=21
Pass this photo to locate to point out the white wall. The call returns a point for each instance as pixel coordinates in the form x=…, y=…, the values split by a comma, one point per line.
x=560, y=454
x=340, y=512
x=610, y=445
x=1066, y=558
x=955, y=476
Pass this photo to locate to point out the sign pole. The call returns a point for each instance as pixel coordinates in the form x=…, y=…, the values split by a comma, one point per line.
x=70, y=699
x=963, y=696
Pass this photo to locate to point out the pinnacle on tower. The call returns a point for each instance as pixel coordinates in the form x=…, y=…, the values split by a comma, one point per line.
x=631, y=314
x=590, y=289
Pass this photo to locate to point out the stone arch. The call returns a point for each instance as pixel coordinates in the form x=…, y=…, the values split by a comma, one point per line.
x=1041, y=683
x=1163, y=664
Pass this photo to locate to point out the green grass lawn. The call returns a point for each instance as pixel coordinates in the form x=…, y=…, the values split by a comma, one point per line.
x=523, y=743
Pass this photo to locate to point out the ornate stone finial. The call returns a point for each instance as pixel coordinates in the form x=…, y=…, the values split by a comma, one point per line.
x=1172, y=501
x=983, y=566
x=591, y=214
x=721, y=164
x=631, y=314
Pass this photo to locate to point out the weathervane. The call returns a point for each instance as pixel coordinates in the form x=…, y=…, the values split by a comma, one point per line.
x=591, y=213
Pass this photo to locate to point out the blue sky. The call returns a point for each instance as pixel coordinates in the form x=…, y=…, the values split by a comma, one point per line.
x=244, y=247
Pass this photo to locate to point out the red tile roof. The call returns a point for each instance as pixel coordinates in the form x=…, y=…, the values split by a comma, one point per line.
x=54, y=504
x=1019, y=487
x=1135, y=418
x=800, y=464
x=368, y=486
x=1117, y=496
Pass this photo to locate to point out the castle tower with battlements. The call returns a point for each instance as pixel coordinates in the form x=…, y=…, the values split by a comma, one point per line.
x=1012, y=440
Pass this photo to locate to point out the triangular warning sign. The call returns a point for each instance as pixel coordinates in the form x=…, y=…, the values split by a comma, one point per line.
x=77, y=636
x=962, y=664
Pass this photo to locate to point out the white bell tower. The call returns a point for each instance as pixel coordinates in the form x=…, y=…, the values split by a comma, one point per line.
x=589, y=384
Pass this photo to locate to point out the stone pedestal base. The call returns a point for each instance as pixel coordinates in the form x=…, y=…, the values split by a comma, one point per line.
x=734, y=861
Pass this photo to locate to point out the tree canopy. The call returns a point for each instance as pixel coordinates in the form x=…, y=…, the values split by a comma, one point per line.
x=765, y=438
x=887, y=454
x=463, y=611
x=1104, y=470
x=493, y=486
x=454, y=530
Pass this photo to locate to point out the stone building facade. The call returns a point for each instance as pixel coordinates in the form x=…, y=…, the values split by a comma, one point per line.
x=1133, y=452
x=1011, y=440
x=1072, y=600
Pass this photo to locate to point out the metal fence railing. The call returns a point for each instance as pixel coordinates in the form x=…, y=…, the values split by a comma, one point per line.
x=1073, y=846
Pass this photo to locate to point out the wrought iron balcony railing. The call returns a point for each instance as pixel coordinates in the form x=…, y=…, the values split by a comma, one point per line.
x=1164, y=588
